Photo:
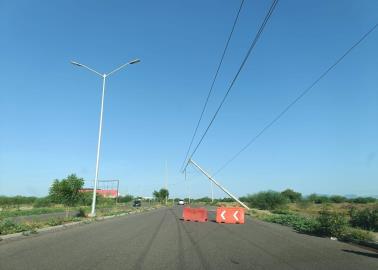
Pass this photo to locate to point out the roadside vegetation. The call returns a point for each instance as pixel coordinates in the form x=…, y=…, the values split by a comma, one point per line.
x=353, y=219
x=347, y=219
x=64, y=196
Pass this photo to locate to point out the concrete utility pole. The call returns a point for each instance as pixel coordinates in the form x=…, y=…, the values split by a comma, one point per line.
x=217, y=183
x=103, y=76
x=212, y=191
x=166, y=181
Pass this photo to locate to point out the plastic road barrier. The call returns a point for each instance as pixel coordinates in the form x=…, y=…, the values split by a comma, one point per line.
x=232, y=215
x=194, y=214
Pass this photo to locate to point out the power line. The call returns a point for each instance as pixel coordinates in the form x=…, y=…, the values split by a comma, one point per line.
x=213, y=82
x=261, y=29
x=299, y=97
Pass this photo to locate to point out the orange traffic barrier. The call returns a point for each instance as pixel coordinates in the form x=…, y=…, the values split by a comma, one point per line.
x=194, y=214
x=233, y=215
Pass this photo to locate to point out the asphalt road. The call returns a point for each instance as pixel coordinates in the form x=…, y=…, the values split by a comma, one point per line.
x=160, y=240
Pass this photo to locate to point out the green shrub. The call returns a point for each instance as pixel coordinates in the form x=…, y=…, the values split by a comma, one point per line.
x=353, y=234
x=42, y=202
x=125, y=199
x=268, y=200
x=15, y=201
x=337, y=199
x=298, y=223
x=67, y=191
x=365, y=219
x=291, y=195
x=102, y=201
x=7, y=227
x=81, y=213
x=226, y=199
x=331, y=223
x=36, y=211
x=86, y=198
x=318, y=199
x=55, y=221
x=363, y=200
x=204, y=200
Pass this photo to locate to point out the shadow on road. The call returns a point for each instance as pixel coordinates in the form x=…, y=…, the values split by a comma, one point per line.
x=372, y=255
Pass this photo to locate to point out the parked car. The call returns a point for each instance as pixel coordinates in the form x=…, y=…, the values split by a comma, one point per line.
x=137, y=203
x=181, y=202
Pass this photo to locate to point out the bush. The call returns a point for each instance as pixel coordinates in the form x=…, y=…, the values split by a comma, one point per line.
x=291, y=195
x=42, y=202
x=86, y=198
x=81, y=213
x=36, y=211
x=353, y=234
x=55, y=221
x=318, y=199
x=337, y=199
x=331, y=223
x=102, y=201
x=326, y=224
x=15, y=201
x=204, y=200
x=7, y=227
x=365, y=219
x=298, y=223
x=267, y=200
x=226, y=200
x=363, y=200
x=67, y=191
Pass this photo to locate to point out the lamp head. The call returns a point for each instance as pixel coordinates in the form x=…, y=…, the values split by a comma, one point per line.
x=136, y=61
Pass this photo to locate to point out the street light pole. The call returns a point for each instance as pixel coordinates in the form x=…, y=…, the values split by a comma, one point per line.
x=104, y=76
x=93, y=211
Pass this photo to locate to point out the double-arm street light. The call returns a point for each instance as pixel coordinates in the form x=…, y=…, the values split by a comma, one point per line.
x=104, y=76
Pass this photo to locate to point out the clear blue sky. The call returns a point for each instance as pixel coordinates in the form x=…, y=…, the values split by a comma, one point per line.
x=328, y=143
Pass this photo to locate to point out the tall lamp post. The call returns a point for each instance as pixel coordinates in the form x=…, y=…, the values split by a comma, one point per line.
x=103, y=76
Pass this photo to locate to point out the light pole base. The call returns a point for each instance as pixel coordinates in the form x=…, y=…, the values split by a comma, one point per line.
x=92, y=215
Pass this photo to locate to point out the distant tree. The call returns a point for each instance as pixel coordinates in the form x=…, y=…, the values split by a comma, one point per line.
x=292, y=195
x=363, y=200
x=67, y=191
x=269, y=200
x=204, y=200
x=156, y=195
x=243, y=198
x=226, y=199
x=337, y=199
x=162, y=195
x=318, y=199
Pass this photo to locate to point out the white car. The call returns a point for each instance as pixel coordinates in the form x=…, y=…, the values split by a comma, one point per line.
x=181, y=202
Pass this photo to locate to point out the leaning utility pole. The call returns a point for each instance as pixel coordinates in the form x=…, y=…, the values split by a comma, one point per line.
x=215, y=182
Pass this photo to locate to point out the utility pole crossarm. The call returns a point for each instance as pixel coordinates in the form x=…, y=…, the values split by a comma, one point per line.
x=219, y=185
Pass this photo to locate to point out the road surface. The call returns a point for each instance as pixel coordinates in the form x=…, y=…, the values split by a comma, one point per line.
x=160, y=240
